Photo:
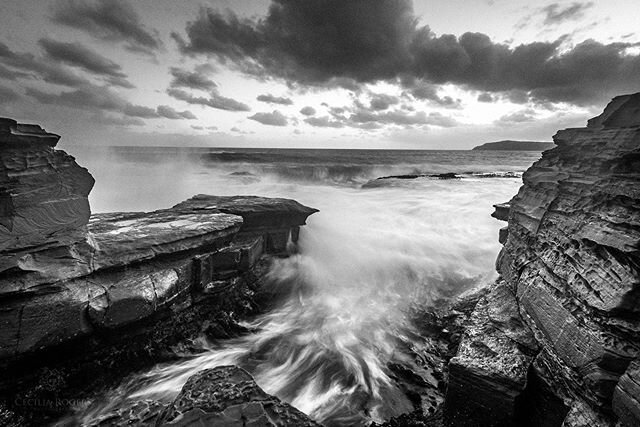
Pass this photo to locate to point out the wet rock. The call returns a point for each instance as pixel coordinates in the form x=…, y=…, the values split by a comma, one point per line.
x=256, y=212
x=626, y=397
x=583, y=415
x=136, y=413
x=489, y=372
x=276, y=220
x=125, y=238
x=228, y=396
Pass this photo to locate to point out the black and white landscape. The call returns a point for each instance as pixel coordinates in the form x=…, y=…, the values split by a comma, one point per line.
x=319, y=212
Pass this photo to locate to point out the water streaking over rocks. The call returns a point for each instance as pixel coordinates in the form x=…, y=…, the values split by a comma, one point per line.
x=344, y=343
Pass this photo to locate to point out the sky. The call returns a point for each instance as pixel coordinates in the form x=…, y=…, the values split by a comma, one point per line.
x=427, y=74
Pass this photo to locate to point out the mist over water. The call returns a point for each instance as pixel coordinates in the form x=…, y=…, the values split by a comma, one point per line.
x=367, y=257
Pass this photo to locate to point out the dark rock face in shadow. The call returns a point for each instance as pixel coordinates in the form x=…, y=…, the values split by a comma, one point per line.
x=571, y=261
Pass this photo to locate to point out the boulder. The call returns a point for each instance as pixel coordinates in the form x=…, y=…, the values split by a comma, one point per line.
x=228, y=396
x=489, y=372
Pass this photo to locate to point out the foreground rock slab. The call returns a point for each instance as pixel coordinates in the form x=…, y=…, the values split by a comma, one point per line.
x=228, y=396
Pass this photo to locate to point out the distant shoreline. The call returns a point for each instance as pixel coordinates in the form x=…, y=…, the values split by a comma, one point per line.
x=515, y=146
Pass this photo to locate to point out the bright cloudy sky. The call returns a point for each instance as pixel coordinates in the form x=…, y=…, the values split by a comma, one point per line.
x=314, y=73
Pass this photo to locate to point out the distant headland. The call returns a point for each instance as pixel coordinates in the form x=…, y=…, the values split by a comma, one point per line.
x=515, y=146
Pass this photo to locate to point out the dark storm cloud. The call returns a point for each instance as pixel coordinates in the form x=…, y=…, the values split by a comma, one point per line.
x=77, y=55
x=191, y=79
x=214, y=100
x=271, y=99
x=170, y=113
x=113, y=20
x=315, y=42
x=275, y=118
x=308, y=111
x=7, y=95
x=556, y=13
x=43, y=69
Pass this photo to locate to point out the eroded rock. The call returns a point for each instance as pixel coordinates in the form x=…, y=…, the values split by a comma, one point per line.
x=228, y=396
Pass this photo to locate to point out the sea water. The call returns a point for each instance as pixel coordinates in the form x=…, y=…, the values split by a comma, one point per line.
x=375, y=248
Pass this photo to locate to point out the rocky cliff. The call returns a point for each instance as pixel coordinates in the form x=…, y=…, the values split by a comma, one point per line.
x=557, y=339
x=80, y=293
x=44, y=207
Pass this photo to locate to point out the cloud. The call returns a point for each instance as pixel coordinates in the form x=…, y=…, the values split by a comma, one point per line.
x=526, y=115
x=320, y=42
x=324, y=122
x=308, y=111
x=191, y=79
x=7, y=95
x=556, y=13
x=170, y=113
x=46, y=70
x=8, y=74
x=112, y=20
x=383, y=101
x=485, y=97
x=214, y=101
x=402, y=118
x=109, y=120
x=274, y=99
x=77, y=55
x=139, y=111
x=91, y=97
x=275, y=118
x=240, y=131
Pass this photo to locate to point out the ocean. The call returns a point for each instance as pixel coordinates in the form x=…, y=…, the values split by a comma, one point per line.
x=395, y=230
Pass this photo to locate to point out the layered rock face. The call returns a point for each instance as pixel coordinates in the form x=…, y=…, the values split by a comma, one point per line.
x=65, y=275
x=570, y=271
x=141, y=263
x=44, y=208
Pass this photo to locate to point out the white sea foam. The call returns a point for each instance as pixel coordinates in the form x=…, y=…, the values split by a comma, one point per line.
x=362, y=260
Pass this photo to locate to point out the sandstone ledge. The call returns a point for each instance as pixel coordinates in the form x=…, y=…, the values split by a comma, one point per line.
x=137, y=264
